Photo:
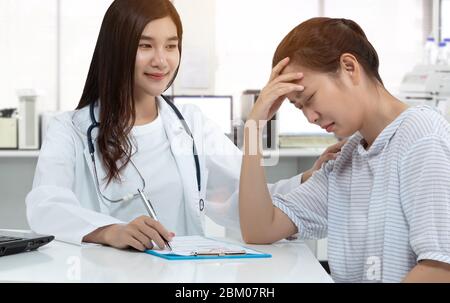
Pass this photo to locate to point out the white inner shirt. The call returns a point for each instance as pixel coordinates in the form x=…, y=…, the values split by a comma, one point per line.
x=163, y=184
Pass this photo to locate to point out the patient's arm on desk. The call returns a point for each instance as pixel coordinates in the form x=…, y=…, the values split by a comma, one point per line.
x=429, y=271
x=330, y=153
x=261, y=222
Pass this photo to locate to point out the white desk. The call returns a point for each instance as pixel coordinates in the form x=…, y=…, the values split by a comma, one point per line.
x=61, y=262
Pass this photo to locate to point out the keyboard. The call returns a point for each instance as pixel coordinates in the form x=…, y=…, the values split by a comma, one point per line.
x=8, y=239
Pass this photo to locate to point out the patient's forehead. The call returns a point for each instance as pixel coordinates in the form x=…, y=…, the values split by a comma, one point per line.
x=295, y=68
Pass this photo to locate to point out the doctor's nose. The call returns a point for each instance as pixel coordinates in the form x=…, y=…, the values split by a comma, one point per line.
x=159, y=59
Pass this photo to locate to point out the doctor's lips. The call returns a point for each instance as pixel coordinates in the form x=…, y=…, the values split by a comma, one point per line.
x=156, y=76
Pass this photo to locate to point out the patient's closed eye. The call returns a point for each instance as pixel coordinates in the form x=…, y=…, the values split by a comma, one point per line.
x=310, y=98
x=298, y=95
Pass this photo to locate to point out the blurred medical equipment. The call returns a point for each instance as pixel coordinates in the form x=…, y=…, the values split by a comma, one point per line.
x=28, y=119
x=427, y=85
x=8, y=128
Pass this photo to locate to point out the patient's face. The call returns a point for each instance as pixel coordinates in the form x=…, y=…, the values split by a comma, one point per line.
x=328, y=101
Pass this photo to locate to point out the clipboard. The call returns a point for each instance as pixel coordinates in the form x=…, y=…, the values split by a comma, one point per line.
x=208, y=249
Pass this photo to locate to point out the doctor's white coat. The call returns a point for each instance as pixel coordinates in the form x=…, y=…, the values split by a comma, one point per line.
x=64, y=201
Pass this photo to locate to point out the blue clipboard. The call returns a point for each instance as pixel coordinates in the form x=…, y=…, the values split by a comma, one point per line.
x=241, y=254
x=174, y=257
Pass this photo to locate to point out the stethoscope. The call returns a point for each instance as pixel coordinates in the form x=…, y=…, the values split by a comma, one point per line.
x=129, y=197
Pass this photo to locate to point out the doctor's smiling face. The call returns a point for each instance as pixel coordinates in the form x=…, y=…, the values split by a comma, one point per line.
x=136, y=58
x=157, y=58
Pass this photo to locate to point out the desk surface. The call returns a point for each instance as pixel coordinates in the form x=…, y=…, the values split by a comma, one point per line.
x=61, y=262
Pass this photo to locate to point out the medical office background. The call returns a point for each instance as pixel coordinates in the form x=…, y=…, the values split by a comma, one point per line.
x=46, y=48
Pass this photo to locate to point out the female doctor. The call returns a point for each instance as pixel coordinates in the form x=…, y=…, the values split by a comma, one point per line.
x=124, y=138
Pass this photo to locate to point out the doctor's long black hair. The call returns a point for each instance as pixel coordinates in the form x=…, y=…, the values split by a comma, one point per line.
x=111, y=75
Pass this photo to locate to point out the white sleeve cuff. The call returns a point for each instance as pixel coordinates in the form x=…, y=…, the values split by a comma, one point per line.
x=435, y=256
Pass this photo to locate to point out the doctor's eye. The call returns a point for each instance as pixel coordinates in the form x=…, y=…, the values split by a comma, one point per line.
x=145, y=45
x=172, y=46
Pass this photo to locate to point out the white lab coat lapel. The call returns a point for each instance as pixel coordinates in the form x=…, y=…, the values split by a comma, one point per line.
x=82, y=121
x=182, y=148
x=87, y=156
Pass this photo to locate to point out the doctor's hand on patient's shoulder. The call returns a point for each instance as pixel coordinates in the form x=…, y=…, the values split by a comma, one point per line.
x=137, y=234
x=331, y=153
x=274, y=93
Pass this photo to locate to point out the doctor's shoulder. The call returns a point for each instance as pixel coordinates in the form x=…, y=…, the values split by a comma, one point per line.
x=197, y=120
x=58, y=121
x=190, y=111
x=59, y=125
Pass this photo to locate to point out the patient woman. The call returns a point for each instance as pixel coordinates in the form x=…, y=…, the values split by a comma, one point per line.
x=384, y=202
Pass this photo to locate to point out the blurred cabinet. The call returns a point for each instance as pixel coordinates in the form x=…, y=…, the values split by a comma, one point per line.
x=16, y=179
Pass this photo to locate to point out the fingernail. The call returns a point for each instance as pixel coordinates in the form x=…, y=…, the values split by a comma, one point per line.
x=299, y=74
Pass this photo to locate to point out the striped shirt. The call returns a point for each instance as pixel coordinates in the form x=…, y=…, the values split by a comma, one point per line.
x=385, y=208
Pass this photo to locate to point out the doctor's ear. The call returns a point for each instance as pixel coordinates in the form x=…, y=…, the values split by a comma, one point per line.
x=350, y=66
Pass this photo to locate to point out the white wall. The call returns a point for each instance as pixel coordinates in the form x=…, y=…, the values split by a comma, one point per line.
x=238, y=40
x=28, y=50
x=247, y=34
x=228, y=44
x=445, y=19
x=199, y=58
x=395, y=28
x=80, y=25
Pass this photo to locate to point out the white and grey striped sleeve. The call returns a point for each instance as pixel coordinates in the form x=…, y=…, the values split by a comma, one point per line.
x=307, y=205
x=425, y=197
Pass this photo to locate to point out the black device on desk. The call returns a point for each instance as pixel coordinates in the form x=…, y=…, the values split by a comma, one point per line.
x=17, y=242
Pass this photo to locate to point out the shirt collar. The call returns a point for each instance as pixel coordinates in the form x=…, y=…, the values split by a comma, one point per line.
x=386, y=135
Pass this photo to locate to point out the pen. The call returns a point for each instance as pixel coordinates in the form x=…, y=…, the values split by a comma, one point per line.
x=151, y=211
x=219, y=253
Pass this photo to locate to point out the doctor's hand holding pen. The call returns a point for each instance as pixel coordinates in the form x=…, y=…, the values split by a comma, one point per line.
x=139, y=234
